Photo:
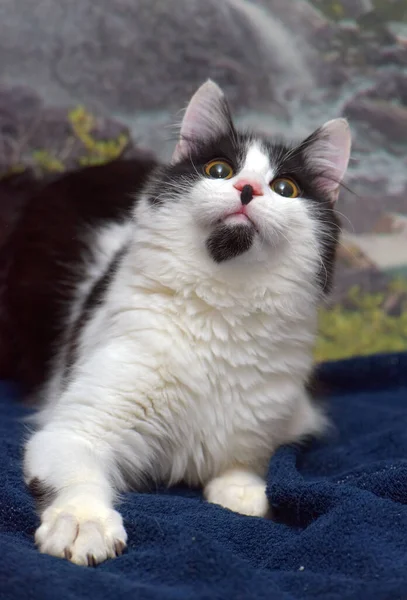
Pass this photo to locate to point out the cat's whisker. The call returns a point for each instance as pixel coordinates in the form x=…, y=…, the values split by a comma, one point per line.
x=350, y=249
x=343, y=216
x=193, y=165
x=323, y=266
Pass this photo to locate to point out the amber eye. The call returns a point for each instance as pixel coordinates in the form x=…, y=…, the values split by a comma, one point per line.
x=285, y=187
x=218, y=169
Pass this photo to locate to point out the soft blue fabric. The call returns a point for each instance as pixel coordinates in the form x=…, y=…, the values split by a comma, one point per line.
x=340, y=505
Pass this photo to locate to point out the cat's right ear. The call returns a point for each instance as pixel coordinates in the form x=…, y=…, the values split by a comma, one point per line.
x=207, y=117
x=327, y=152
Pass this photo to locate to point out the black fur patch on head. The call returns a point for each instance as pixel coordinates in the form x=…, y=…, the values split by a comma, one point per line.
x=293, y=162
x=228, y=241
x=42, y=493
x=175, y=179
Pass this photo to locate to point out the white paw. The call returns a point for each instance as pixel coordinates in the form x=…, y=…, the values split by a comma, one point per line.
x=85, y=537
x=243, y=493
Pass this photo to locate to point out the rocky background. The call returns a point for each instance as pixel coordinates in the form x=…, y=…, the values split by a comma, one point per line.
x=85, y=81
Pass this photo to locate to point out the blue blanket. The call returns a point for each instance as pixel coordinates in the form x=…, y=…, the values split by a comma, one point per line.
x=340, y=529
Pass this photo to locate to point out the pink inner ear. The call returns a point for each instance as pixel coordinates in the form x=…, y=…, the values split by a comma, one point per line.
x=329, y=154
x=205, y=117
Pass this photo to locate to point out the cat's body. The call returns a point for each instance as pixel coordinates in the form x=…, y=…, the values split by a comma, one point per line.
x=193, y=366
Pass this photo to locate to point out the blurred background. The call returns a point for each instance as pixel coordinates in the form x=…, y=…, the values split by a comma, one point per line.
x=86, y=81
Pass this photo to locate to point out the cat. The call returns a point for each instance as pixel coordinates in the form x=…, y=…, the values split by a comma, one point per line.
x=188, y=337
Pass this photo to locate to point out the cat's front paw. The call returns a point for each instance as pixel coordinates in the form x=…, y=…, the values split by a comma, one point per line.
x=85, y=535
x=240, y=491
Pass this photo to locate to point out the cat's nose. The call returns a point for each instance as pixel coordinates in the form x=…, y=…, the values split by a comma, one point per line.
x=248, y=188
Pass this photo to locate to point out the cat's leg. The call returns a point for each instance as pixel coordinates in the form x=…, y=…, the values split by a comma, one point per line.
x=241, y=490
x=244, y=491
x=71, y=478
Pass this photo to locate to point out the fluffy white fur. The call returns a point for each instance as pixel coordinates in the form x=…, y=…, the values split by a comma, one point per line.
x=190, y=370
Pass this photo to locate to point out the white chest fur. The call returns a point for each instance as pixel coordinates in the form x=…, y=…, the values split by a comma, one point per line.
x=206, y=380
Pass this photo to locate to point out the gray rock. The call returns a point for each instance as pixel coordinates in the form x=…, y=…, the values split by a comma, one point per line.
x=389, y=87
x=353, y=9
x=388, y=119
x=41, y=137
x=125, y=56
x=349, y=26
x=392, y=55
x=366, y=201
x=315, y=34
x=300, y=17
x=399, y=32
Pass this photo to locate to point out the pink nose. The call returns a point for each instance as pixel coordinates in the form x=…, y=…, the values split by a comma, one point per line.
x=255, y=185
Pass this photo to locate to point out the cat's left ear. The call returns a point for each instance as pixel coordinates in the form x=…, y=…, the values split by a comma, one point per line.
x=327, y=152
x=207, y=117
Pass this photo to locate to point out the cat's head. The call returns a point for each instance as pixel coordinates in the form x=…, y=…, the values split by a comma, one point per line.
x=236, y=198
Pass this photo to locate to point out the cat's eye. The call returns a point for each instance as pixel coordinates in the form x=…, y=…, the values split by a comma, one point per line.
x=285, y=187
x=218, y=169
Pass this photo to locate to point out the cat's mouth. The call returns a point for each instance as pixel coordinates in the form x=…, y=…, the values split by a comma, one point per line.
x=239, y=217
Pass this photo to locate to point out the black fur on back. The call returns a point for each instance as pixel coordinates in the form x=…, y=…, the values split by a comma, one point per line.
x=94, y=298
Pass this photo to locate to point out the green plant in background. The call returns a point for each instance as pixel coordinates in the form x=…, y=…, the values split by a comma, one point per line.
x=46, y=162
x=367, y=327
x=12, y=170
x=334, y=10
x=98, y=151
x=95, y=151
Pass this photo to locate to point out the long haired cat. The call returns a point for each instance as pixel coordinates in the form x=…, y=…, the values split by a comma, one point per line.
x=187, y=340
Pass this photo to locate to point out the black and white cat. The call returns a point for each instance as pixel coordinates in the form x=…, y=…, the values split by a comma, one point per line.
x=192, y=364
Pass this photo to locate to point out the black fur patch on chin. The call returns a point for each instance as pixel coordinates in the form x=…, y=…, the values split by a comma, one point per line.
x=228, y=241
